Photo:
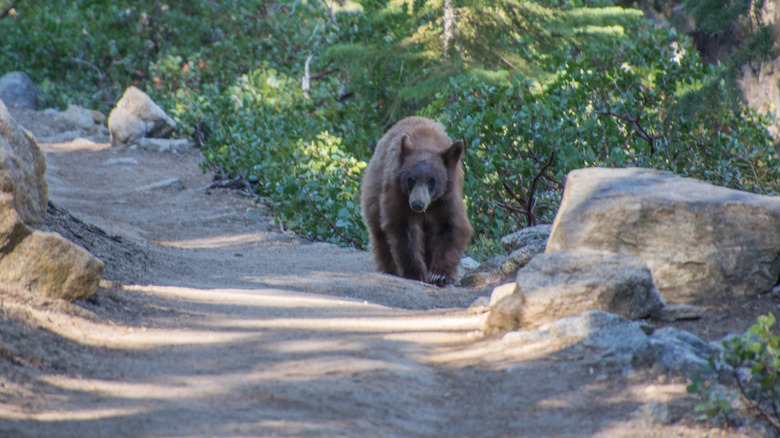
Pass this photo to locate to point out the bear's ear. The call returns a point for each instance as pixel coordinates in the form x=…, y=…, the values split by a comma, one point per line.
x=452, y=154
x=406, y=147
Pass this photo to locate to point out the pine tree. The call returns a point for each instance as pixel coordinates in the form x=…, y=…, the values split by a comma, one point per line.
x=412, y=48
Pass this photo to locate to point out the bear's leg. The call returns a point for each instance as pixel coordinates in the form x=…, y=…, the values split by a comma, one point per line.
x=406, y=245
x=444, y=248
x=383, y=258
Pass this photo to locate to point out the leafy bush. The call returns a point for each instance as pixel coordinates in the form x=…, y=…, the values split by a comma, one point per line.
x=269, y=134
x=625, y=103
x=88, y=52
x=754, y=362
x=537, y=88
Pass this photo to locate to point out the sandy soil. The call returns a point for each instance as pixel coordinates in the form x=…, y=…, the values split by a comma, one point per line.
x=213, y=322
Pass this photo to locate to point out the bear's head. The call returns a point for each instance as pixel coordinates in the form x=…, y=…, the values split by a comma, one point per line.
x=424, y=174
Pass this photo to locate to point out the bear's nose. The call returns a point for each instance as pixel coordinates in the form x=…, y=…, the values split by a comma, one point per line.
x=417, y=206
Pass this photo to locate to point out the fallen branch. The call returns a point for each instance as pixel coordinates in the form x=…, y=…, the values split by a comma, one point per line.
x=241, y=185
x=322, y=74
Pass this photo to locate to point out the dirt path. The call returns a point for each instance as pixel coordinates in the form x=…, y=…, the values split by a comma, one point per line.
x=212, y=322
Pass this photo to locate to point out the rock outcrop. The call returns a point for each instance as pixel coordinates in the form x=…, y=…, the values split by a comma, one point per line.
x=137, y=116
x=700, y=241
x=17, y=89
x=22, y=169
x=31, y=260
x=43, y=263
x=520, y=246
x=568, y=283
x=611, y=340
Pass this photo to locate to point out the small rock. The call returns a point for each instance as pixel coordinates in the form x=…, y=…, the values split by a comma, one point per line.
x=480, y=305
x=674, y=349
x=522, y=256
x=165, y=145
x=42, y=263
x=652, y=413
x=567, y=283
x=63, y=137
x=466, y=266
x=86, y=119
x=502, y=291
x=22, y=170
x=677, y=312
x=17, y=89
x=137, y=116
x=122, y=160
x=490, y=272
x=170, y=183
x=531, y=236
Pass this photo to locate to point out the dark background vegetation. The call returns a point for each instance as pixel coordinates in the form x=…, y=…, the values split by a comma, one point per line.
x=292, y=95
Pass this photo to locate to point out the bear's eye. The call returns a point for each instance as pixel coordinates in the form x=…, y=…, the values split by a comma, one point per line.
x=431, y=185
x=409, y=182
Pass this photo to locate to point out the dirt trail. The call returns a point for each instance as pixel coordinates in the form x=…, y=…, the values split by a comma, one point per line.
x=212, y=322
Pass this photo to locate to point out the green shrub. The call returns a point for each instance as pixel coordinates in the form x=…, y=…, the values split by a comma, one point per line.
x=757, y=353
x=624, y=103
x=536, y=88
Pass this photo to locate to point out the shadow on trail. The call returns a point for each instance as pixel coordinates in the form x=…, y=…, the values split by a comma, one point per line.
x=258, y=363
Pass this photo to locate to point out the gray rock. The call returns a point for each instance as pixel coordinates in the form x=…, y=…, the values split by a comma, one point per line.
x=121, y=160
x=700, y=241
x=490, y=272
x=165, y=145
x=523, y=255
x=480, y=305
x=609, y=337
x=677, y=312
x=674, y=349
x=17, y=89
x=599, y=329
x=567, y=283
x=64, y=137
x=30, y=260
x=652, y=413
x=43, y=263
x=530, y=236
x=137, y=116
x=170, y=183
x=89, y=121
x=22, y=169
x=501, y=292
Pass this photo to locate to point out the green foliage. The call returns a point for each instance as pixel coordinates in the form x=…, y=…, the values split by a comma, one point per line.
x=268, y=133
x=626, y=103
x=535, y=87
x=88, y=52
x=754, y=361
x=404, y=52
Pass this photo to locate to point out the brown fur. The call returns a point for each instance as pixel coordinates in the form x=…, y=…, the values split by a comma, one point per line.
x=418, y=228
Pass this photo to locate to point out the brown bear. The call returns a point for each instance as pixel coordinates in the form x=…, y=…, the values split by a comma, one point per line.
x=412, y=201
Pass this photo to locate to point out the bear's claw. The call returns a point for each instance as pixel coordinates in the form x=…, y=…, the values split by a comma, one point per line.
x=440, y=280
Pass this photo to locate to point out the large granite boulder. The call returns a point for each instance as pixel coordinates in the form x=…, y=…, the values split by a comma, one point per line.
x=22, y=169
x=700, y=241
x=568, y=283
x=43, y=263
x=31, y=260
x=137, y=116
x=17, y=89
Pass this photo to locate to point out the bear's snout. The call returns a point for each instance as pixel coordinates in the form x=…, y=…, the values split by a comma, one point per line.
x=417, y=206
x=419, y=199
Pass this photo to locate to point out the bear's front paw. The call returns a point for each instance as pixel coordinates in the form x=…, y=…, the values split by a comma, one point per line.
x=440, y=280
